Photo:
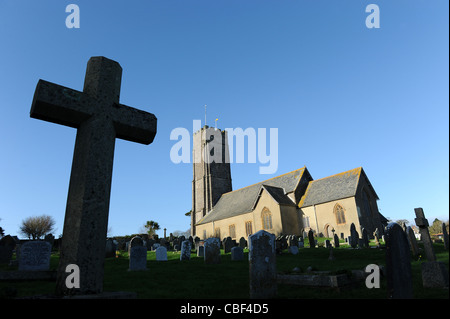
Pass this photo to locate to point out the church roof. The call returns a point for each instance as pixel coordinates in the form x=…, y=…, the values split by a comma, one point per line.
x=331, y=188
x=243, y=200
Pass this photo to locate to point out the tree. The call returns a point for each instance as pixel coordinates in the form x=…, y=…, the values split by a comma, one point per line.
x=36, y=227
x=151, y=227
x=436, y=227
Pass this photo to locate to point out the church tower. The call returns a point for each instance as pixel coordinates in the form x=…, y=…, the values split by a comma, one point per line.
x=212, y=173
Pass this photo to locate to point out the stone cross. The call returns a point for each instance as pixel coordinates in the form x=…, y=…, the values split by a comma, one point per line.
x=398, y=263
x=99, y=119
x=422, y=223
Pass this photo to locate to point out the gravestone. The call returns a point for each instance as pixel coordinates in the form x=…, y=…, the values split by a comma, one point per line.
x=445, y=235
x=200, y=251
x=327, y=243
x=242, y=242
x=412, y=241
x=237, y=253
x=185, y=250
x=227, y=245
x=354, y=236
x=336, y=241
x=312, y=241
x=434, y=273
x=161, y=253
x=7, y=244
x=262, y=265
x=331, y=255
x=99, y=119
x=212, y=251
x=293, y=250
x=35, y=256
x=365, y=238
x=138, y=258
x=110, y=250
x=398, y=263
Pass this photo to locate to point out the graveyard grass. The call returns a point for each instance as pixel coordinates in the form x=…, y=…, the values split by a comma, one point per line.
x=175, y=279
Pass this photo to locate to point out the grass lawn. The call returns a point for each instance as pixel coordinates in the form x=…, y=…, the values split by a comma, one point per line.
x=229, y=279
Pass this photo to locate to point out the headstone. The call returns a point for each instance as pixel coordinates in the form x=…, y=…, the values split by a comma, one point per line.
x=336, y=241
x=99, y=119
x=227, y=245
x=138, y=258
x=50, y=239
x=242, y=242
x=293, y=241
x=422, y=223
x=312, y=241
x=301, y=244
x=200, y=251
x=35, y=256
x=237, y=253
x=327, y=243
x=293, y=250
x=7, y=244
x=365, y=238
x=110, y=250
x=185, y=250
x=212, y=251
x=331, y=256
x=398, y=263
x=412, y=241
x=161, y=253
x=354, y=236
x=262, y=265
x=445, y=235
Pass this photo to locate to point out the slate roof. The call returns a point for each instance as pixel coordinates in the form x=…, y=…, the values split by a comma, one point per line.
x=331, y=188
x=242, y=201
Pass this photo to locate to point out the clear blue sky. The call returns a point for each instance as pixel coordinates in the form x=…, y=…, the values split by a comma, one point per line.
x=340, y=94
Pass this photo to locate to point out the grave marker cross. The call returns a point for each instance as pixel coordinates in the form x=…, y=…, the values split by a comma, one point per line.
x=99, y=119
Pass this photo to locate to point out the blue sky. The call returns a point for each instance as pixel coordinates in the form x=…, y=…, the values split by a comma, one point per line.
x=340, y=94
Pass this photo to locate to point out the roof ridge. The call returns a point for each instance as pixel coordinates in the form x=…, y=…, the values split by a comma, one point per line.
x=262, y=182
x=342, y=173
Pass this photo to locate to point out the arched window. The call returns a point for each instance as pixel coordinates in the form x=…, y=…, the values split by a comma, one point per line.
x=266, y=217
x=340, y=214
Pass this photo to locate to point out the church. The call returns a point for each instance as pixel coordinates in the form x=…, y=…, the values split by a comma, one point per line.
x=292, y=203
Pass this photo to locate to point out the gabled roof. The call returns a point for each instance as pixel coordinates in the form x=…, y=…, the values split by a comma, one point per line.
x=278, y=194
x=242, y=201
x=331, y=188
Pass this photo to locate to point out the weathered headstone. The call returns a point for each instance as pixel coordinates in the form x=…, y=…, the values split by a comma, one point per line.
x=354, y=236
x=312, y=241
x=161, y=253
x=110, y=250
x=398, y=263
x=434, y=273
x=201, y=251
x=237, y=253
x=365, y=238
x=185, y=250
x=227, y=245
x=412, y=241
x=242, y=242
x=99, y=119
x=262, y=265
x=293, y=250
x=138, y=258
x=212, y=251
x=35, y=256
x=336, y=241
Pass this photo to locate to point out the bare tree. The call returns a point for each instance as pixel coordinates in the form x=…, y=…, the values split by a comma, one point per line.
x=36, y=227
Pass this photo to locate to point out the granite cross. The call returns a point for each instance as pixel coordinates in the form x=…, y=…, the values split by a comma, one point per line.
x=99, y=119
x=422, y=223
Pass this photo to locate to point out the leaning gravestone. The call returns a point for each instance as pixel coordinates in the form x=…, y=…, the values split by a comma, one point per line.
x=434, y=273
x=398, y=263
x=212, y=251
x=185, y=250
x=99, y=119
x=161, y=253
x=412, y=241
x=138, y=258
x=35, y=256
x=262, y=265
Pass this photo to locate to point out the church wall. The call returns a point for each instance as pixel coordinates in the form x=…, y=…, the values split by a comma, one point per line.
x=322, y=218
x=290, y=220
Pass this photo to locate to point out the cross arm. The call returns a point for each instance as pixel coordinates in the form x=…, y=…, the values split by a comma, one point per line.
x=134, y=125
x=58, y=104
